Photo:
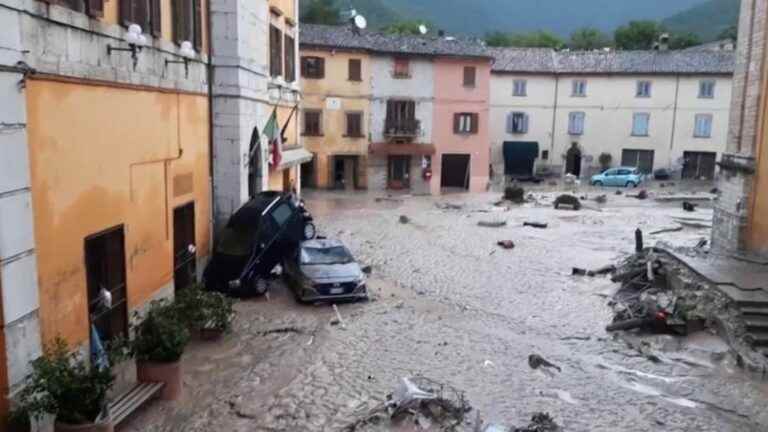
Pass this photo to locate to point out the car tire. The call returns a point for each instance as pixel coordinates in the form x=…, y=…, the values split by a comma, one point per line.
x=310, y=231
x=631, y=184
x=597, y=183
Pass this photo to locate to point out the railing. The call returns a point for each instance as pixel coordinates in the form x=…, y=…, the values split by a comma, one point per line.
x=395, y=128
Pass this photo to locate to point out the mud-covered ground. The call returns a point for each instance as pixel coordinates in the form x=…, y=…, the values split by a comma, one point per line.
x=451, y=305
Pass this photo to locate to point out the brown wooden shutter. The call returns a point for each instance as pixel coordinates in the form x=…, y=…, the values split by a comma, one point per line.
x=475, y=123
x=141, y=13
x=197, y=24
x=456, y=123
x=469, y=76
x=155, y=18
x=303, y=66
x=177, y=15
x=290, y=59
x=355, y=70
x=320, y=67
x=95, y=8
x=126, y=12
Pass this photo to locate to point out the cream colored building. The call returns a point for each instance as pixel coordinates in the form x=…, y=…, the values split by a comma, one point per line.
x=655, y=109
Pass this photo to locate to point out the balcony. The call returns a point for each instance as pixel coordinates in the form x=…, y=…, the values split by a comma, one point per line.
x=402, y=128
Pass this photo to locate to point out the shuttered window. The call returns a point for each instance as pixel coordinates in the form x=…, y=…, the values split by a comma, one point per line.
x=313, y=123
x=517, y=123
x=640, y=124
x=707, y=89
x=275, y=51
x=703, y=126
x=576, y=123
x=470, y=73
x=579, y=88
x=188, y=22
x=520, y=88
x=465, y=123
x=135, y=12
x=313, y=67
x=95, y=8
x=402, y=68
x=355, y=124
x=355, y=70
x=290, y=59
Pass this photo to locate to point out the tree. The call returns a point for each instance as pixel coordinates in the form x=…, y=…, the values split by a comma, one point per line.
x=588, y=38
x=684, y=40
x=405, y=28
x=321, y=12
x=637, y=35
x=731, y=32
x=538, y=39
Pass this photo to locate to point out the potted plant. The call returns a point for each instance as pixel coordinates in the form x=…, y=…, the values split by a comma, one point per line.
x=63, y=384
x=605, y=160
x=207, y=314
x=19, y=421
x=159, y=343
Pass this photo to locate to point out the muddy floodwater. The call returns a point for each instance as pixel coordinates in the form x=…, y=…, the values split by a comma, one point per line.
x=452, y=305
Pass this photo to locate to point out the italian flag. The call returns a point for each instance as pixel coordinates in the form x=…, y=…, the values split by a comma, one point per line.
x=272, y=132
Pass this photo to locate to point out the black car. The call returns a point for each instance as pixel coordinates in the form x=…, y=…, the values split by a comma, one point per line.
x=324, y=270
x=260, y=235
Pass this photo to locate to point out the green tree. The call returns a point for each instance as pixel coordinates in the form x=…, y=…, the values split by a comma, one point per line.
x=537, y=39
x=637, y=35
x=731, y=32
x=684, y=40
x=321, y=12
x=405, y=27
x=588, y=38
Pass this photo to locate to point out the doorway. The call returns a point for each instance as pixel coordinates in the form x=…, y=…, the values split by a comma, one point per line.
x=573, y=160
x=344, y=172
x=455, y=171
x=105, y=279
x=640, y=159
x=308, y=174
x=699, y=165
x=399, y=169
x=184, y=253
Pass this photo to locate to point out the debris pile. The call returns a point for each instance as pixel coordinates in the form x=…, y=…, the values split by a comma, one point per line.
x=540, y=422
x=506, y=244
x=515, y=194
x=567, y=201
x=492, y=224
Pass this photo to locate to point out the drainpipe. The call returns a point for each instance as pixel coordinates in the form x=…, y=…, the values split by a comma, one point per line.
x=554, y=120
x=211, y=208
x=674, y=120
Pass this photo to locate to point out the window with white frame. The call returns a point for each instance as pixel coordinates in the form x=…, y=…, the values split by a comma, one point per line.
x=707, y=89
x=703, y=126
x=643, y=89
x=517, y=123
x=579, y=88
x=576, y=123
x=520, y=88
x=465, y=123
x=640, y=124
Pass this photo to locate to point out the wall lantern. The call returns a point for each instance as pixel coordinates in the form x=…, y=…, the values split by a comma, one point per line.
x=136, y=41
x=186, y=52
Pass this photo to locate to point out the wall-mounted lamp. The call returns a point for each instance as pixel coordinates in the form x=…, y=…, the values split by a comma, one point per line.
x=136, y=42
x=187, y=52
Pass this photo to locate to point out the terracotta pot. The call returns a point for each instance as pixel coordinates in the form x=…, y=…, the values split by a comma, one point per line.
x=91, y=427
x=168, y=373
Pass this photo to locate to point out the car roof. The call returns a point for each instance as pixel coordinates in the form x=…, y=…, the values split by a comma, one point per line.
x=322, y=243
x=626, y=168
x=249, y=214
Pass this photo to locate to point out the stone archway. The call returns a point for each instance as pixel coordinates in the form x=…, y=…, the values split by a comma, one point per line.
x=573, y=160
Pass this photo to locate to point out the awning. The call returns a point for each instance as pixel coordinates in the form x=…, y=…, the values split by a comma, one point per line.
x=293, y=157
x=386, y=149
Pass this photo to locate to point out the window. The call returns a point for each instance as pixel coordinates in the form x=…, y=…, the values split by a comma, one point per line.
x=105, y=273
x=290, y=59
x=355, y=70
x=640, y=124
x=707, y=89
x=470, y=74
x=576, y=123
x=579, y=88
x=275, y=51
x=465, y=123
x=520, y=88
x=355, y=124
x=703, y=126
x=313, y=123
x=402, y=68
x=187, y=21
x=643, y=89
x=145, y=13
x=313, y=67
x=545, y=154
x=517, y=123
x=401, y=119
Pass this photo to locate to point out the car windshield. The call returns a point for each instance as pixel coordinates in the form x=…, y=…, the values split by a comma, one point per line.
x=330, y=255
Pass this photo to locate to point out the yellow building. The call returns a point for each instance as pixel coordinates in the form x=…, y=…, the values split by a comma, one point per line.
x=336, y=103
x=105, y=178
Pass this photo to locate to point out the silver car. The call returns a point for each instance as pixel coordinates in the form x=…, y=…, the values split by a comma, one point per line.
x=325, y=270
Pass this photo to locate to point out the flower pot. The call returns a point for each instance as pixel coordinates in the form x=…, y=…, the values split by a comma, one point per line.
x=89, y=427
x=168, y=373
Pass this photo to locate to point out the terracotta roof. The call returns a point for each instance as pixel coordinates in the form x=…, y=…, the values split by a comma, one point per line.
x=343, y=37
x=614, y=62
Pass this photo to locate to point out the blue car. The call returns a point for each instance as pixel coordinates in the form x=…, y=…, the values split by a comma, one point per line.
x=621, y=176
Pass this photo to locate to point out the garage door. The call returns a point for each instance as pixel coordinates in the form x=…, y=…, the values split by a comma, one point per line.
x=519, y=158
x=699, y=165
x=455, y=171
x=641, y=159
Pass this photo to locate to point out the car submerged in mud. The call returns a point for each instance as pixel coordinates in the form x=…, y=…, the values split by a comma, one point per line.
x=258, y=237
x=324, y=270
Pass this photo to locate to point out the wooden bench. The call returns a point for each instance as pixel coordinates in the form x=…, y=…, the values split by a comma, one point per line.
x=130, y=401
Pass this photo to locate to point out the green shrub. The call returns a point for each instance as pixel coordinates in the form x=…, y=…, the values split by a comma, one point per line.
x=200, y=309
x=161, y=336
x=64, y=384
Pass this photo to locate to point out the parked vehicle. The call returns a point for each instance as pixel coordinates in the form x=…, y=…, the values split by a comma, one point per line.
x=324, y=270
x=662, y=174
x=621, y=176
x=258, y=237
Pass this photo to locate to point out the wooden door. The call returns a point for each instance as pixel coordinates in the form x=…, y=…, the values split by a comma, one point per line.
x=184, y=252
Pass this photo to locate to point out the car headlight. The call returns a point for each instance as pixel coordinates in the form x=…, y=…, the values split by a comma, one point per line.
x=360, y=281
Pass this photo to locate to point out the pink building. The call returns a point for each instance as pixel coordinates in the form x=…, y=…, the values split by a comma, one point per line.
x=461, y=137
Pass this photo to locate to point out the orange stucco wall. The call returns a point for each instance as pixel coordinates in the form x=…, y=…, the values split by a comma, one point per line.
x=93, y=168
x=758, y=232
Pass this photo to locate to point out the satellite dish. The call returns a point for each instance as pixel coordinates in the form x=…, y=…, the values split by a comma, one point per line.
x=423, y=29
x=360, y=22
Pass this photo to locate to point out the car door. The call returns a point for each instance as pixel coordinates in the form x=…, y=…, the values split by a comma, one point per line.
x=622, y=177
x=610, y=177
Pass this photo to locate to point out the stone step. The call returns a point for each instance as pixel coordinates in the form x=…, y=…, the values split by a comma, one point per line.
x=745, y=298
x=754, y=311
x=756, y=322
x=757, y=338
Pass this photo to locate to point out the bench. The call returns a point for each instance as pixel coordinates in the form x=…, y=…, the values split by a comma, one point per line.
x=125, y=404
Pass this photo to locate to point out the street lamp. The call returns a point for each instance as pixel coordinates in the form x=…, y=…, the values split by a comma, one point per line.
x=186, y=52
x=136, y=41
